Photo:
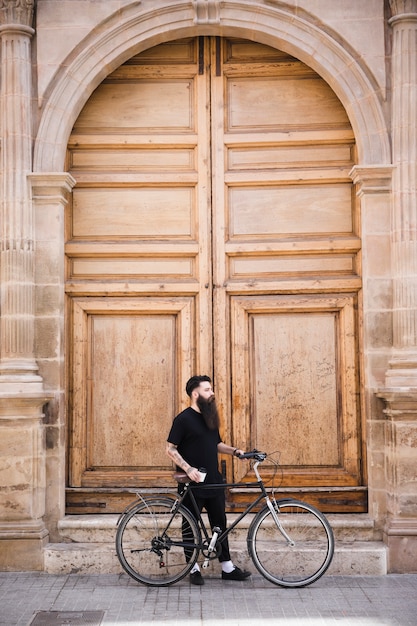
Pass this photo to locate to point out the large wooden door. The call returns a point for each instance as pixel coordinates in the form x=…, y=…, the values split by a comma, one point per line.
x=213, y=230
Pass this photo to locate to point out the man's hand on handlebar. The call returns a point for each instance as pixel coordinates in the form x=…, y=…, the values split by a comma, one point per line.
x=253, y=454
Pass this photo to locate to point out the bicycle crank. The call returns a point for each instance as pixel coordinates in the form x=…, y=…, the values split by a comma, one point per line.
x=212, y=550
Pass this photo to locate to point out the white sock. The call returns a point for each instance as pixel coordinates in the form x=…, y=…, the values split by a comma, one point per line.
x=227, y=566
x=196, y=568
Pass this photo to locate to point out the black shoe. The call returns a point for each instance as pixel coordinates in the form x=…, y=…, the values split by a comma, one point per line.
x=196, y=578
x=236, y=574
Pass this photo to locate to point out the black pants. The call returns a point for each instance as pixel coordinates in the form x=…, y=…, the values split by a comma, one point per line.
x=215, y=507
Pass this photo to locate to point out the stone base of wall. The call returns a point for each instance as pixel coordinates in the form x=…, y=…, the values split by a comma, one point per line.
x=400, y=536
x=22, y=546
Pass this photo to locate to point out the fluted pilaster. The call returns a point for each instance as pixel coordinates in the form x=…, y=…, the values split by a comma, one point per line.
x=17, y=362
x=400, y=394
x=403, y=368
x=23, y=534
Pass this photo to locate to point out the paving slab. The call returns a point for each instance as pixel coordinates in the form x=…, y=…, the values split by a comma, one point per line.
x=389, y=600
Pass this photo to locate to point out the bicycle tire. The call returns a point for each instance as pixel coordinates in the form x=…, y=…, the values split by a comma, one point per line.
x=150, y=542
x=280, y=562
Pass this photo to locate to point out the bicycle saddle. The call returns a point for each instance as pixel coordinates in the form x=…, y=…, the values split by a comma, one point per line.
x=181, y=477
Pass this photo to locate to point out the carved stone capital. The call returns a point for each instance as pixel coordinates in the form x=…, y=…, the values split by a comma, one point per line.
x=372, y=179
x=403, y=10
x=16, y=12
x=400, y=403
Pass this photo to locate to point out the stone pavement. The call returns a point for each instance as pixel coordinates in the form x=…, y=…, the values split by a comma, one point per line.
x=342, y=600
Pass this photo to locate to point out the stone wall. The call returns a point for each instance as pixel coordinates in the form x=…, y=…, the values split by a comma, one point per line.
x=62, y=56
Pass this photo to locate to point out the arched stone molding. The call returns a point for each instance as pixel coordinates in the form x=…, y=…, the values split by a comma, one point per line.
x=137, y=27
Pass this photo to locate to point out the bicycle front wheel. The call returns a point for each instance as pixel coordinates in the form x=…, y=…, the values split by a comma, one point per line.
x=294, y=549
x=155, y=545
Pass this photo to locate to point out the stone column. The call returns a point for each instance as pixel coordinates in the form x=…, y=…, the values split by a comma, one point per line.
x=17, y=364
x=22, y=441
x=400, y=392
x=403, y=367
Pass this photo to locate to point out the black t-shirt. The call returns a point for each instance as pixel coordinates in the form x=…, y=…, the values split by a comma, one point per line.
x=197, y=444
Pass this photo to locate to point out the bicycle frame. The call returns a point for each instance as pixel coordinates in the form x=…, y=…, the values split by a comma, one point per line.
x=188, y=490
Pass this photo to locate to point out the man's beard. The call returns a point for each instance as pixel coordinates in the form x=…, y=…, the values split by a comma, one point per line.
x=209, y=412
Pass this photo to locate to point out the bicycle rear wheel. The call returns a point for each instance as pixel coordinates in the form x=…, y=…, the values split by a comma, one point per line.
x=296, y=554
x=156, y=546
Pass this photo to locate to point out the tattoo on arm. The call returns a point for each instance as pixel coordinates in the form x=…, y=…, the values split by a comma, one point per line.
x=177, y=458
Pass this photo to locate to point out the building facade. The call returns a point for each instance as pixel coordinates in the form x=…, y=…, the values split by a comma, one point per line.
x=205, y=186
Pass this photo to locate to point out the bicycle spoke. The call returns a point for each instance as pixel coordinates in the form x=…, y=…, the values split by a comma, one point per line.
x=296, y=554
x=156, y=547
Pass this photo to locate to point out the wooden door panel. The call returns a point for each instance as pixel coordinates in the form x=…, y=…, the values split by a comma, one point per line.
x=268, y=211
x=137, y=161
x=269, y=102
x=151, y=267
x=138, y=235
x=270, y=267
x=127, y=368
x=138, y=272
x=293, y=365
x=141, y=105
x=284, y=157
x=295, y=394
x=148, y=213
x=135, y=353
x=285, y=223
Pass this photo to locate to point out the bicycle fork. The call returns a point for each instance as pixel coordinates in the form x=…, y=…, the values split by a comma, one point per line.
x=272, y=509
x=275, y=517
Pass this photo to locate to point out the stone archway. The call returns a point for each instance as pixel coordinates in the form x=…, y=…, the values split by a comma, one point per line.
x=106, y=48
x=135, y=29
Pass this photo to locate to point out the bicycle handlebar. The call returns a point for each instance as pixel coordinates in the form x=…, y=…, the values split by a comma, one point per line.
x=253, y=454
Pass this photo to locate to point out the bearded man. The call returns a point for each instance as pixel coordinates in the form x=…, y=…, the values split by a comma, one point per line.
x=193, y=442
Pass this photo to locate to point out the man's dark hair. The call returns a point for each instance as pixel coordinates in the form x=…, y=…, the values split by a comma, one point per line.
x=194, y=382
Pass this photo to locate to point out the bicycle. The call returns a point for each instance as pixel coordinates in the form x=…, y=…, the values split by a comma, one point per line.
x=158, y=540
